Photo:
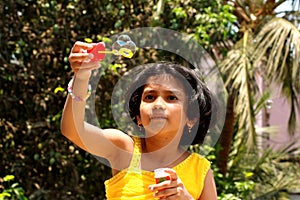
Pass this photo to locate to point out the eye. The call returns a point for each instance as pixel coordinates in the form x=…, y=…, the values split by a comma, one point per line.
x=172, y=98
x=149, y=97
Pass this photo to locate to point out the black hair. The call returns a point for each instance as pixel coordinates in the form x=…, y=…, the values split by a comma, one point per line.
x=199, y=97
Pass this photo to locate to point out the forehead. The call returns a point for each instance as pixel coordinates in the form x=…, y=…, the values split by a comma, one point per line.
x=167, y=82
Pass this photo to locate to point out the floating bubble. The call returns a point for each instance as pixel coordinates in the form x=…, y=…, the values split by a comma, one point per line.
x=124, y=46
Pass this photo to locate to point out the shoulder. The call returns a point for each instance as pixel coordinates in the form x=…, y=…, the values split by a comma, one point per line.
x=119, y=139
x=197, y=165
x=209, y=188
x=196, y=171
x=201, y=161
x=200, y=164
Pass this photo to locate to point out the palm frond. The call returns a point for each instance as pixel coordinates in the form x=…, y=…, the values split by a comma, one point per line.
x=277, y=46
x=240, y=81
x=261, y=102
x=279, y=41
x=275, y=174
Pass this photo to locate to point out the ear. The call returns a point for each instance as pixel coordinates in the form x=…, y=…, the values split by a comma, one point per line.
x=138, y=120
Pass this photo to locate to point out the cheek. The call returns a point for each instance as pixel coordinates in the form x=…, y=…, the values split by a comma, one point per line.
x=144, y=112
x=143, y=108
x=178, y=112
x=182, y=113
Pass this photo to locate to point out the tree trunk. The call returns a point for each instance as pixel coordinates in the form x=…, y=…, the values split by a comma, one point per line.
x=226, y=136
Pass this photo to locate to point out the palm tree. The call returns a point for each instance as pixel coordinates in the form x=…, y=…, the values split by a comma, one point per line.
x=268, y=46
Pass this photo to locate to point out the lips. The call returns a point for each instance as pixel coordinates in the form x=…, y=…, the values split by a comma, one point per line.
x=158, y=117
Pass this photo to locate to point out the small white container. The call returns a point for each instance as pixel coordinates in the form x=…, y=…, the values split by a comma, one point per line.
x=160, y=175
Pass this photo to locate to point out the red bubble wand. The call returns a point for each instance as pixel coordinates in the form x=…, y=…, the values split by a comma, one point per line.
x=123, y=46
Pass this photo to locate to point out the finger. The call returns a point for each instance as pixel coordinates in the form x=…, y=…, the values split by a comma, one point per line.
x=163, y=185
x=79, y=57
x=76, y=65
x=173, y=174
x=172, y=197
x=159, y=186
x=166, y=193
x=79, y=46
x=170, y=193
x=85, y=66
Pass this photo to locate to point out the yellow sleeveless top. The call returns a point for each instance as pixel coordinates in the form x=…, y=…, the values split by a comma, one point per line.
x=132, y=183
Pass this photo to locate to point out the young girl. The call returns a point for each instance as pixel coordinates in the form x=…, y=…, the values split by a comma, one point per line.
x=171, y=107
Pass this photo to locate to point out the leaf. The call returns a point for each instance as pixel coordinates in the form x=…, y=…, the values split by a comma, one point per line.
x=59, y=89
x=261, y=102
x=4, y=194
x=8, y=178
x=248, y=174
x=15, y=185
x=88, y=40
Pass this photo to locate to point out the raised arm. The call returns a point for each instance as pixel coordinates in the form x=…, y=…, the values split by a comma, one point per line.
x=105, y=143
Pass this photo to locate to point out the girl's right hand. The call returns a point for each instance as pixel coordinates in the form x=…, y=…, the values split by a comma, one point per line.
x=79, y=60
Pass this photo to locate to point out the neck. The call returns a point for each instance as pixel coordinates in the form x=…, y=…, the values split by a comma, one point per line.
x=162, y=143
x=160, y=152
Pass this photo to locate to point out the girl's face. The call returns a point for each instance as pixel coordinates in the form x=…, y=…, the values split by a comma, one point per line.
x=163, y=106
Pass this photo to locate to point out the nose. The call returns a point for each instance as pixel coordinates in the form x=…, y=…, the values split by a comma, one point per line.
x=159, y=104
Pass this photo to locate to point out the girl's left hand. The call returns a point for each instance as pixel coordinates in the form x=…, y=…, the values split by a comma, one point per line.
x=170, y=189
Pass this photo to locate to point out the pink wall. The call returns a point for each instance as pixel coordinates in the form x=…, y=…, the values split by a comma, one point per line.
x=276, y=116
x=279, y=115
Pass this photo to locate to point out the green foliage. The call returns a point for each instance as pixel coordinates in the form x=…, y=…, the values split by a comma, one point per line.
x=35, y=38
x=209, y=22
x=10, y=190
x=265, y=47
x=267, y=176
x=234, y=187
x=214, y=25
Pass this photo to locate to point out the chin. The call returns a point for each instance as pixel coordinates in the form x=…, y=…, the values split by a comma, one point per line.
x=154, y=128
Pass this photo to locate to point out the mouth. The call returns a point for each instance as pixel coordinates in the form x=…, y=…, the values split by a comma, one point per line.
x=155, y=117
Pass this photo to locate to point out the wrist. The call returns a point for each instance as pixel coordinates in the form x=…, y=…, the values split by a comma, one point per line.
x=79, y=97
x=83, y=75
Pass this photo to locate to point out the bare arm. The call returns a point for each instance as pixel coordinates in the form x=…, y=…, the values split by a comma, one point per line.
x=101, y=142
x=209, y=190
